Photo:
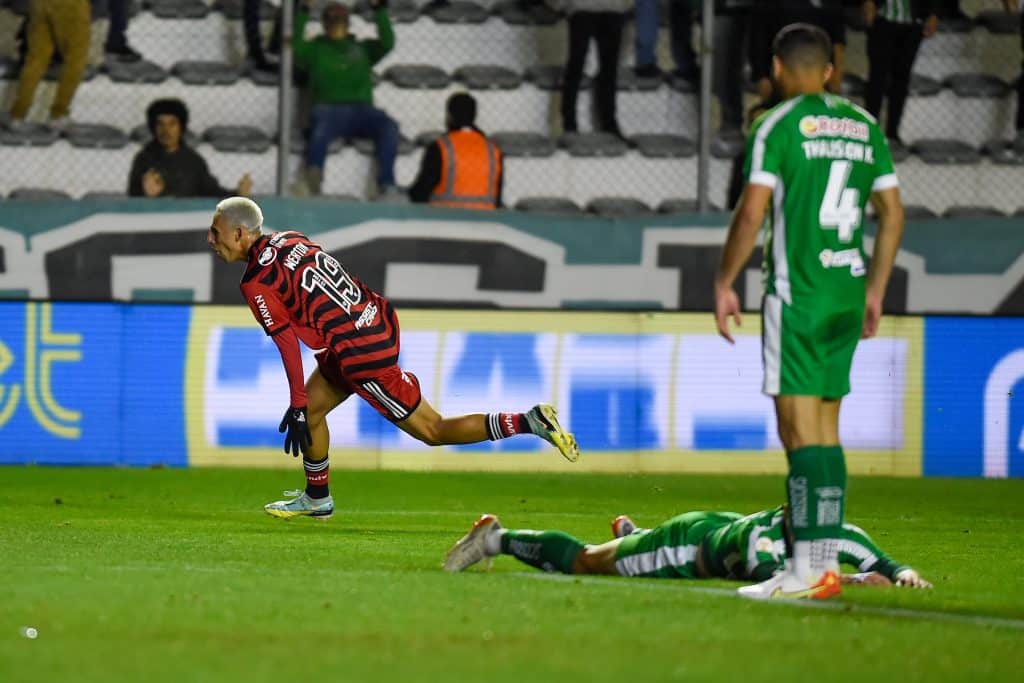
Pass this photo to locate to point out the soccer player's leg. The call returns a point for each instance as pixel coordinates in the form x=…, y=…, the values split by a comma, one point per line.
x=324, y=395
x=552, y=551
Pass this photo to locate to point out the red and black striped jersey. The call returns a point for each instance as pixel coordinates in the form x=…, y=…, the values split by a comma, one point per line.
x=292, y=282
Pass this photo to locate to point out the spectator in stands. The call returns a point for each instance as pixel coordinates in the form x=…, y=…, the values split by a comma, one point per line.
x=340, y=69
x=462, y=168
x=1018, y=6
x=254, y=40
x=895, y=31
x=117, y=46
x=167, y=166
x=603, y=21
x=730, y=29
x=63, y=25
x=769, y=18
x=680, y=24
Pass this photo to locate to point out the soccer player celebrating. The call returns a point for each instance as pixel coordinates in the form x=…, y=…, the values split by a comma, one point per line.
x=299, y=292
x=693, y=545
x=817, y=158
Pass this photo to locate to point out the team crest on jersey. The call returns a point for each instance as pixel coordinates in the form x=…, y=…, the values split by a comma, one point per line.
x=267, y=256
x=813, y=126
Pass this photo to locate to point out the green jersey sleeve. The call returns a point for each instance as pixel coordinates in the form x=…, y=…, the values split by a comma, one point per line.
x=858, y=549
x=885, y=172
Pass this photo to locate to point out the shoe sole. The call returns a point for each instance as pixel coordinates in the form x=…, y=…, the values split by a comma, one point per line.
x=564, y=441
x=288, y=514
x=466, y=552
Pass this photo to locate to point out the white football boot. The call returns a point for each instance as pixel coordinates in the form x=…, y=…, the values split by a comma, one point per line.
x=786, y=585
x=303, y=506
x=472, y=547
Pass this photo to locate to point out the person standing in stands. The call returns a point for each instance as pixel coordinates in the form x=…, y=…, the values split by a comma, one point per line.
x=895, y=31
x=1018, y=6
x=462, y=169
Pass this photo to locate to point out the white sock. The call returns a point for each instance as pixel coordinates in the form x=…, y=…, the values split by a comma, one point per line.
x=492, y=544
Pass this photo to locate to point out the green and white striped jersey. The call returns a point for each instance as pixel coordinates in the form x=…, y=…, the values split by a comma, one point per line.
x=822, y=156
x=752, y=549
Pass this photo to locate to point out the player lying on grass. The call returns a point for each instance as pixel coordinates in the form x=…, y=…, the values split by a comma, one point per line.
x=693, y=545
x=300, y=292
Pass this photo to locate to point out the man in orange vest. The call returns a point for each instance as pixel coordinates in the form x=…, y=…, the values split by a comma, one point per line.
x=462, y=168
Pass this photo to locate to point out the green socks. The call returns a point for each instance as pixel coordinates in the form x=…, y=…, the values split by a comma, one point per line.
x=816, y=489
x=552, y=551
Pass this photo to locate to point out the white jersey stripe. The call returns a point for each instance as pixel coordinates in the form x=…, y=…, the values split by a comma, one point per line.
x=757, y=161
x=647, y=563
x=772, y=349
x=780, y=261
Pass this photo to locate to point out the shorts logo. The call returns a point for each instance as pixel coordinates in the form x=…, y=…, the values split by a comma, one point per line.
x=267, y=256
x=813, y=126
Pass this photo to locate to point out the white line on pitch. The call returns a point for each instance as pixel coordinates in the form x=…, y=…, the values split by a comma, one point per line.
x=855, y=609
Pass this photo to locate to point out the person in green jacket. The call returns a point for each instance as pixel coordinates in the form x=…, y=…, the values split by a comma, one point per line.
x=340, y=69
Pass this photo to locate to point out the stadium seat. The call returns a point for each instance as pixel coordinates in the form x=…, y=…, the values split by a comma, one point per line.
x=727, y=146
x=680, y=84
x=400, y=11
x=549, y=77
x=939, y=151
x=853, y=85
x=959, y=24
x=417, y=76
x=458, y=12
x=37, y=193
x=1004, y=152
x=135, y=72
x=555, y=205
x=179, y=9
x=35, y=135
x=977, y=85
x=298, y=143
x=518, y=144
x=680, y=206
x=630, y=82
x=366, y=146
x=618, y=207
x=973, y=212
x=924, y=86
x=487, y=77
x=141, y=135
x=917, y=212
x=232, y=9
x=264, y=78
x=515, y=14
x=206, y=73
x=660, y=146
x=898, y=152
x=248, y=139
x=427, y=137
x=96, y=136
x=53, y=72
x=593, y=145
x=997, y=21
x=105, y=195
x=8, y=68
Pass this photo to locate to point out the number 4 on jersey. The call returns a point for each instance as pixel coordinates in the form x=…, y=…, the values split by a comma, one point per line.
x=840, y=207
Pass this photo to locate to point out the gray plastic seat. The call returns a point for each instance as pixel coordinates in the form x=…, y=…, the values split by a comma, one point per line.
x=549, y=77
x=488, y=77
x=34, y=135
x=728, y=146
x=524, y=144
x=232, y=9
x=53, y=72
x=38, y=194
x=628, y=81
x=206, y=73
x=553, y=205
x=179, y=9
x=593, y=145
x=956, y=24
x=514, y=13
x=261, y=77
x=8, y=68
x=248, y=139
x=96, y=136
x=458, y=12
x=417, y=76
x=1004, y=152
x=998, y=21
x=298, y=143
x=977, y=85
x=618, y=207
x=683, y=206
x=939, y=151
x=917, y=212
x=853, y=85
x=135, y=72
x=660, y=146
x=107, y=196
x=427, y=137
x=924, y=86
x=366, y=145
x=141, y=134
x=899, y=152
x=973, y=212
x=400, y=11
x=680, y=84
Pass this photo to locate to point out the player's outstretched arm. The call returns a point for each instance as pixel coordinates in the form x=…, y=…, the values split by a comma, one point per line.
x=739, y=245
x=876, y=568
x=887, y=242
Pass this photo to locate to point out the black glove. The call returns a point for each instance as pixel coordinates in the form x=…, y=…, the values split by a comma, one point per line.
x=298, y=437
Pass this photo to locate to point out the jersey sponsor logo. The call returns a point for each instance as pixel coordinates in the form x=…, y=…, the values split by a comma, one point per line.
x=295, y=255
x=813, y=126
x=264, y=309
x=278, y=239
x=267, y=256
x=844, y=258
x=367, y=317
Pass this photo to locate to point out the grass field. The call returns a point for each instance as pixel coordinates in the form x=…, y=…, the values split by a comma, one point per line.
x=178, y=575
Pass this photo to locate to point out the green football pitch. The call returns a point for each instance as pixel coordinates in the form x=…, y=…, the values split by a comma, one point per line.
x=178, y=575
